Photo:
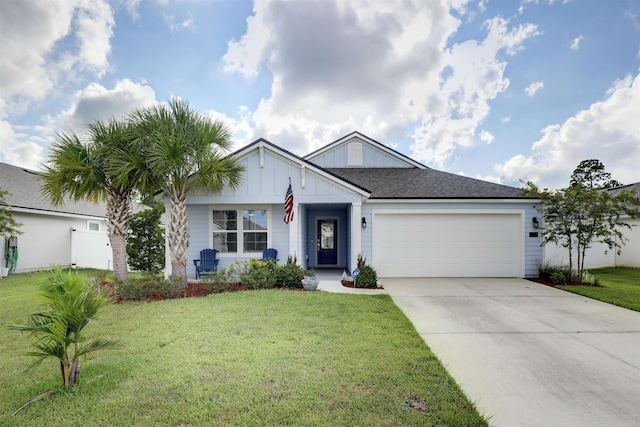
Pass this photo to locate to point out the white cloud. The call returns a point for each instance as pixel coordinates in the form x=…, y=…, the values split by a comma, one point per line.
x=97, y=102
x=375, y=67
x=506, y=119
x=575, y=43
x=187, y=24
x=533, y=88
x=18, y=149
x=34, y=59
x=486, y=136
x=609, y=131
x=25, y=146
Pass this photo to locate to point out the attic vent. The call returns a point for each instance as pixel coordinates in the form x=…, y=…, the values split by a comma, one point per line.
x=354, y=154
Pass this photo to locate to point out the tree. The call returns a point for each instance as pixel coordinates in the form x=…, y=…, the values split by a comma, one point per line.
x=585, y=212
x=180, y=150
x=82, y=170
x=145, y=241
x=69, y=306
x=8, y=226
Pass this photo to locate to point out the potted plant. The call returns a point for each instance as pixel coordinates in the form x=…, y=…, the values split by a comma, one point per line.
x=310, y=281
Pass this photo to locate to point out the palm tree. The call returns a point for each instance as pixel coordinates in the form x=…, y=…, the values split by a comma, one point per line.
x=183, y=151
x=58, y=329
x=82, y=170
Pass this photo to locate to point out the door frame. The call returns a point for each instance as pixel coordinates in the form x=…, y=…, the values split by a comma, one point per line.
x=336, y=238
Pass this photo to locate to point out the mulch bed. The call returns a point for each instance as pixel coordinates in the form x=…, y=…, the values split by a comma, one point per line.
x=553, y=285
x=351, y=284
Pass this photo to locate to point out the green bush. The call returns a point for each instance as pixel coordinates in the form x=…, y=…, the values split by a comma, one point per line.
x=257, y=274
x=368, y=278
x=557, y=278
x=289, y=275
x=150, y=286
x=145, y=240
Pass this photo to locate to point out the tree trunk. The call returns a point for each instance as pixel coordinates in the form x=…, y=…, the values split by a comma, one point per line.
x=74, y=375
x=179, y=237
x=118, y=224
x=64, y=370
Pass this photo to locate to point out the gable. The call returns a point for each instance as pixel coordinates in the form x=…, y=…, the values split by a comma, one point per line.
x=268, y=170
x=358, y=151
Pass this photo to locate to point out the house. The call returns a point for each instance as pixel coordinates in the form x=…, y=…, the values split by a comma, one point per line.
x=358, y=196
x=74, y=234
x=599, y=255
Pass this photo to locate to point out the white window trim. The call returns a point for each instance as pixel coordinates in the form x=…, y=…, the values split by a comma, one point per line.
x=239, y=209
x=90, y=222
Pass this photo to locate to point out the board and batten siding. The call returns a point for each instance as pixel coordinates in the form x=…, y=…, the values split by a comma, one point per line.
x=346, y=155
x=265, y=185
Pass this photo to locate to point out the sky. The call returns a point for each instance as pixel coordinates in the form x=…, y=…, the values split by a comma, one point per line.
x=501, y=90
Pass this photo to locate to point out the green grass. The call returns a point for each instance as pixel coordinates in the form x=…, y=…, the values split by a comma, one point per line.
x=251, y=358
x=620, y=286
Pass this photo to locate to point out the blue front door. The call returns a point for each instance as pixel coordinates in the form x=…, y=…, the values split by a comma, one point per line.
x=327, y=244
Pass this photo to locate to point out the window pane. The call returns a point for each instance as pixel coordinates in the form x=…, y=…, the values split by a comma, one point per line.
x=326, y=234
x=254, y=241
x=254, y=220
x=94, y=226
x=225, y=242
x=225, y=220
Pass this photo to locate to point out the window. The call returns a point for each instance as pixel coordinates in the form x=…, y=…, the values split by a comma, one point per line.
x=231, y=235
x=254, y=236
x=225, y=231
x=93, y=226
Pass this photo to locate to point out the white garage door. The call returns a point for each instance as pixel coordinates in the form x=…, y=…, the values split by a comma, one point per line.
x=448, y=245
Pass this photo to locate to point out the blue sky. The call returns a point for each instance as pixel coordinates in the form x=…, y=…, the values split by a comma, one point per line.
x=497, y=90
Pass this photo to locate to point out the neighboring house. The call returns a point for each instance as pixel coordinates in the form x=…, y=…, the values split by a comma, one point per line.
x=74, y=234
x=358, y=196
x=599, y=255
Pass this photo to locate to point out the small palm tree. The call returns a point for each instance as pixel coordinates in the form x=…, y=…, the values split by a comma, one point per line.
x=82, y=170
x=182, y=151
x=69, y=306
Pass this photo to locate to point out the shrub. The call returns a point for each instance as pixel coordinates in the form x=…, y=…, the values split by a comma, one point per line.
x=368, y=278
x=130, y=290
x=172, y=287
x=257, y=274
x=145, y=240
x=557, y=278
x=149, y=286
x=70, y=305
x=289, y=275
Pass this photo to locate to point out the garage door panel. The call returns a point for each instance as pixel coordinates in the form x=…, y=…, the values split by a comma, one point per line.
x=448, y=245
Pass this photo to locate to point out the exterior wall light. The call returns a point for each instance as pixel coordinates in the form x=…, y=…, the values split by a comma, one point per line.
x=536, y=224
x=364, y=222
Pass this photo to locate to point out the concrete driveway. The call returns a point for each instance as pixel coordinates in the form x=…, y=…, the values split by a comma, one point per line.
x=527, y=354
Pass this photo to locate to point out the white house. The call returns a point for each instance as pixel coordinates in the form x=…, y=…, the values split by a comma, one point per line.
x=358, y=196
x=74, y=234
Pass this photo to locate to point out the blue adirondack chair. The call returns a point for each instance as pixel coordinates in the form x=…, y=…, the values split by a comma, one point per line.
x=207, y=263
x=270, y=253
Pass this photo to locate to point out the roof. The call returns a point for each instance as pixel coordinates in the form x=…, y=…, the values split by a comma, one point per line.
x=24, y=190
x=413, y=183
x=629, y=187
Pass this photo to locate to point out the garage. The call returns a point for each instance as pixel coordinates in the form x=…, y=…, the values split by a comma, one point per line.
x=448, y=244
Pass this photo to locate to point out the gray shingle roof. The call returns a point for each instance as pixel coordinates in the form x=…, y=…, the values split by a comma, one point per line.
x=24, y=188
x=409, y=183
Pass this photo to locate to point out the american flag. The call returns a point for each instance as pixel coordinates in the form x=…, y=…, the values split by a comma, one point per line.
x=288, y=205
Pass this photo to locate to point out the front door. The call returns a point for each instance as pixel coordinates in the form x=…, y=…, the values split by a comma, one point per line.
x=327, y=242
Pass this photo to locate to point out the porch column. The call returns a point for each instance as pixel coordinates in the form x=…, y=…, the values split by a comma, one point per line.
x=294, y=234
x=356, y=234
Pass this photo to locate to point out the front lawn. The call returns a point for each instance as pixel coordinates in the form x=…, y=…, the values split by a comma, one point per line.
x=271, y=357
x=620, y=286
